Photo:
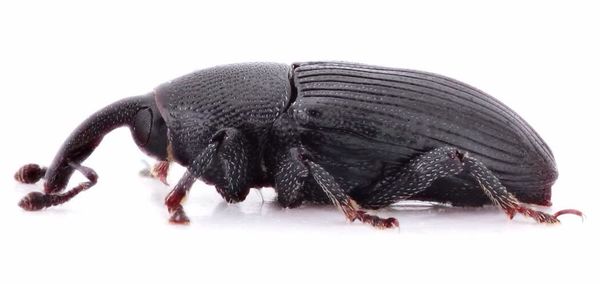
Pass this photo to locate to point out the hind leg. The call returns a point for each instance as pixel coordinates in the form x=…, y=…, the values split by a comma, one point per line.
x=413, y=178
x=420, y=173
x=499, y=195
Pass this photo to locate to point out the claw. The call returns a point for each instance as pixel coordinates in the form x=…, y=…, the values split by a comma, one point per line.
x=569, y=211
x=178, y=216
x=376, y=221
x=391, y=222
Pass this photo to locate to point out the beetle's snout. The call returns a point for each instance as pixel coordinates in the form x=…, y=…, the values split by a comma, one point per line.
x=88, y=135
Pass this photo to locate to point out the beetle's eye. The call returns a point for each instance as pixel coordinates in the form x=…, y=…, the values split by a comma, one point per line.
x=150, y=132
x=141, y=127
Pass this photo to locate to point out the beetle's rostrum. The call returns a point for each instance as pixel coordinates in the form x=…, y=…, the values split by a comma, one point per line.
x=356, y=136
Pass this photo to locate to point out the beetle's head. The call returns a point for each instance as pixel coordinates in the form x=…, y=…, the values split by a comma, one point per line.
x=149, y=132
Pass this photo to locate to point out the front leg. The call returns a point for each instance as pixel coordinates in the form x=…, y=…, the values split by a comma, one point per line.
x=232, y=155
x=228, y=149
x=159, y=171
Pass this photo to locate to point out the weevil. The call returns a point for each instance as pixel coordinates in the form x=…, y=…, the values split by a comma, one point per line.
x=360, y=137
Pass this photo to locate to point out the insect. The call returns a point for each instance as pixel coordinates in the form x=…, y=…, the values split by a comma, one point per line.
x=360, y=137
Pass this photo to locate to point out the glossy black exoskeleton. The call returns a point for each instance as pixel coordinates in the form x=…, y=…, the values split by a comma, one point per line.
x=357, y=136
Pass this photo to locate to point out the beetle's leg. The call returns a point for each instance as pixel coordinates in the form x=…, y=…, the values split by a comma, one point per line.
x=179, y=192
x=289, y=178
x=420, y=173
x=159, y=171
x=500, y=196
x=414, y=177
x=340, y=198
x=176, y=196
x=229, y=147
x=344, y=202
x=233, y=156
x=36, y=200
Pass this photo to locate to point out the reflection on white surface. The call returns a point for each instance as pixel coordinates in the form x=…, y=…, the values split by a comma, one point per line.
x=120, y=227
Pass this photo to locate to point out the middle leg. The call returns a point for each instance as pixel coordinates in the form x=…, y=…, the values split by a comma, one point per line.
x=294, y=172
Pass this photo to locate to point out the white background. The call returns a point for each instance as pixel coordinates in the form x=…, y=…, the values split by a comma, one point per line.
x=61, y=61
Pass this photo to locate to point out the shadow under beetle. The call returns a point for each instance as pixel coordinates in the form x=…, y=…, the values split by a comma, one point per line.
x=356, y=136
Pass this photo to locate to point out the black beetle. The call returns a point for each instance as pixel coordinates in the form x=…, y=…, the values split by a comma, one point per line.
x=356, y=136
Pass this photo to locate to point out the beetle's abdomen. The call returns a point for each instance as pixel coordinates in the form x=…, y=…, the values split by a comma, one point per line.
x=391, y=115
x=248, y=97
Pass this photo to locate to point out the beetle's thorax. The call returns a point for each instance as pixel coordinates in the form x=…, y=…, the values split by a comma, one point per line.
x=247, y=97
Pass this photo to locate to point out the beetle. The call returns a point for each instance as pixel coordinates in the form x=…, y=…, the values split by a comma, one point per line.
x=360, y=137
